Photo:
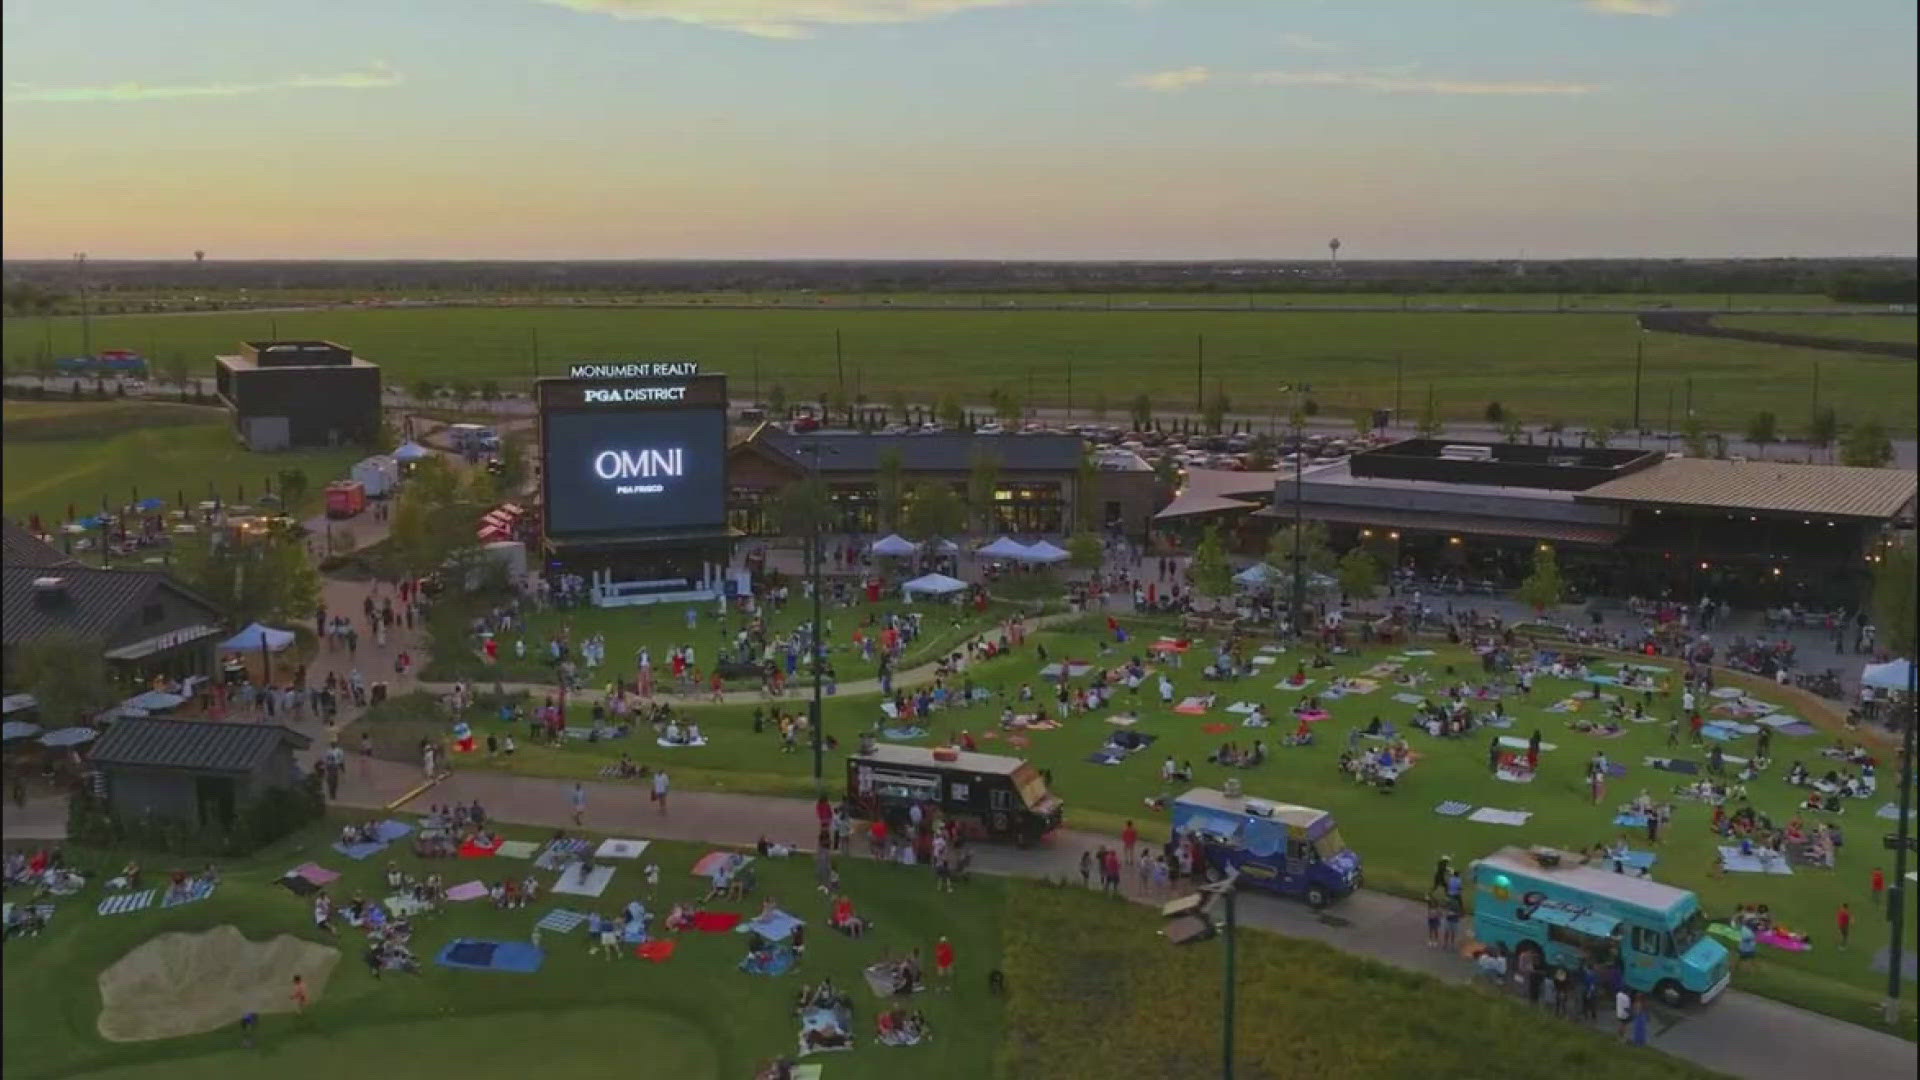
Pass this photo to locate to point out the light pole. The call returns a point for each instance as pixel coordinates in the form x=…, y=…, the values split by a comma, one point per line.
x=1299, y=487
x=1901, y=841
x=817, y=646
x=1192, y=921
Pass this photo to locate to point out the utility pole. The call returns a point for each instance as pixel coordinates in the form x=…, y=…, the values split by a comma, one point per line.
x=756, y=376
x=536, y=351
x=1903, y=840
x=839, y=363
x=1639, y=360
x=1399, y=383
x=1816, y=388
x=1200, y=372
x=86, y=313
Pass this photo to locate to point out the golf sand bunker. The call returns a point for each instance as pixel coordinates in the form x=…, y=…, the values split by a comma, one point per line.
x=186, y=984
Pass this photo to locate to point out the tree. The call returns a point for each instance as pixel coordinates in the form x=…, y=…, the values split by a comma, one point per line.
x=1086, y=487
x=1363, y=423
x=951, y=413
x=1430, y=426
x=67, y=676
x=1316, y=554
x=1006, y=405
x=1214, y=414
x=514, y=448
x=433, y=482
x=293, y=488
x=1495, y=412
x=897, y=401
x=1511, y=428
x=1823, y=429
x=1601, y=433
x=1693, y=435
x=935, y=510
x=1260, y=457
x=1542, y=588
x=1893, y=599
x=983, y=483
x=260, y=579
x=889, y=489
x=1763, y=430
x=174, y=370
x=489, y=390
x=801, y=507
x=835, y=402
x=1359, y=574
x=1141, y=413
x=776, y=401
x=1084, y=551
x=462, y=392
x=424, y=389
x=1211, y=575
x=1867, y=446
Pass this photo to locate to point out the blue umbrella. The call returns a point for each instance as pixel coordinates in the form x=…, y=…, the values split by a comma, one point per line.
x=18, y=729
x=149, y=504
x=69, y=736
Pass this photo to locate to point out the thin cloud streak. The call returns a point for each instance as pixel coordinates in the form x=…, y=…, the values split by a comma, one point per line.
x=785, y=20
x=1172, y=81
x=1306, y=43
x=376, y=77
x=1401, y=84
x=1656, y=9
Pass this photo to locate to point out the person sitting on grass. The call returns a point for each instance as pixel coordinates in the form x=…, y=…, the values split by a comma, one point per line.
x=771, y=850
x=845, y=920
x=129, y=877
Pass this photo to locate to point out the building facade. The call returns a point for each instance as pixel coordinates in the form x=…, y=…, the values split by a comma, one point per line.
x=285, y=394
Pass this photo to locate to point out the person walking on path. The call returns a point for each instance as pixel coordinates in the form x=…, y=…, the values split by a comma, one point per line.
x=1843, y=919
x=1129, y=836
x=1450, y=935
x=1086, y=869
x=579, y=803
x=660, y=789
x=1878, y=886
x=1640, y=1019
x=1623, y=1008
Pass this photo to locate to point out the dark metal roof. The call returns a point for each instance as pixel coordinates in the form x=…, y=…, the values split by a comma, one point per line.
x=22, y=548
x=93, y=603
x=853, y=452
x=207, y=745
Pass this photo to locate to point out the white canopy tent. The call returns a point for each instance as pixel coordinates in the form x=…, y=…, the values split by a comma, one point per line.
x=1044, y=552
x=409, y=452
x=1892, y=675
x=1256, y=575
x=933, y=585
x=1003, y=548
x=894, y=545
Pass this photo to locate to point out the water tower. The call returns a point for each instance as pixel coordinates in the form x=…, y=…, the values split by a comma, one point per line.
x=1333, y=254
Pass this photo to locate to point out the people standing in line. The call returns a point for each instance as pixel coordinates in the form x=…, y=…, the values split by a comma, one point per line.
x=1640, y=1019
x=1623, y=1008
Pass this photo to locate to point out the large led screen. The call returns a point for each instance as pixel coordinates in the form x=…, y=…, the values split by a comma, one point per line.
x=635, y=471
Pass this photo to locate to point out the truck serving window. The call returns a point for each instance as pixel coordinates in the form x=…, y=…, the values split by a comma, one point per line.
x=893, y=785
x=1032, y=787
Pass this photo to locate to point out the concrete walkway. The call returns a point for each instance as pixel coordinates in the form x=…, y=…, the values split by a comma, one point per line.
x=1740, y=1034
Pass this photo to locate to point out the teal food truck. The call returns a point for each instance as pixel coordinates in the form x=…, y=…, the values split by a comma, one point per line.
x=1281, y=848
x=1561, y=910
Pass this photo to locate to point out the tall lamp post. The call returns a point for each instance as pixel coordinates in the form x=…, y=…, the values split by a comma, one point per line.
x=1192, y=920
x=1299, y=486
x=817, y=647
x=1889, y=677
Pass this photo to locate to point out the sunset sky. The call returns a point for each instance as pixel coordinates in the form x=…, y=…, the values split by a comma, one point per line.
x=1166, y=129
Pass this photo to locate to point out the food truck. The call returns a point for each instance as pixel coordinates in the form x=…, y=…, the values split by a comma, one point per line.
x=988, y=795
x=1279, y=847
x=1563, y=911
x=345, y=498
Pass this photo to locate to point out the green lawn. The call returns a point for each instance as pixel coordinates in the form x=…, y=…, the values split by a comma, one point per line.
x=1572, y=367
x=1898, y=328
x=695, y=1016
x=74, y=453
x=1399, y=835
x=1094, y=992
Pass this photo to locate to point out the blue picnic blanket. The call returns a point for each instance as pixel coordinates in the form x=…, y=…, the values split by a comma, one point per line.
x=1631, y=821
x=1451, y=808
x=357, y=852
x=1718, y=733
x=199, y=889
x=121, y=903
x=776, y=961
x=775, y=925
x=561, y=921
x=390, y=830
x=1106, y=757
x=902, y=734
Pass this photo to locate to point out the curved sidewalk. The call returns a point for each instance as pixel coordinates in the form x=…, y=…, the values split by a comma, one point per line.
x=1741, y=1034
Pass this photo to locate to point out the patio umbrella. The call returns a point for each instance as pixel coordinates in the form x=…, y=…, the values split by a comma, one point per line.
x=18, y=729
x=150, y=504
x=69, y=736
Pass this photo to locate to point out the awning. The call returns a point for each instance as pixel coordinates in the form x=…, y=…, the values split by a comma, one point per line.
x=1563, y=532
x=1580, y=922
x=1195, y=503
x=140, y=650
x=256, y=635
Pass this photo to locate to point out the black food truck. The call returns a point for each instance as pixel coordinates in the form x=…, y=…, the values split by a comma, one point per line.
x=986, y=794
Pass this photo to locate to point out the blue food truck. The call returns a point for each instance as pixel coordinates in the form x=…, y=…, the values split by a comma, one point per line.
x=1281, y=848
x=1563, y=911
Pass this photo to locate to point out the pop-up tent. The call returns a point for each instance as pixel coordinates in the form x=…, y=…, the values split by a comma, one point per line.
x=1044, y=552
x=254, y=636
x=1892, y=675
x=153, y=701
x=409, y=452
x=1003, y=548
x=1256, y=575
x=933, y=585
x=894, y=545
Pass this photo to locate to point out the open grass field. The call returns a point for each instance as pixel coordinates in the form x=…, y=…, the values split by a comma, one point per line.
x=696, y=1017
x=1572, y=367
x=1896, y=328
x=75, y=453
x=1399, y=835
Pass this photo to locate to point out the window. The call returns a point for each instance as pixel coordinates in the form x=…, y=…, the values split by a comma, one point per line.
x=959, y=792
x=1650, y=942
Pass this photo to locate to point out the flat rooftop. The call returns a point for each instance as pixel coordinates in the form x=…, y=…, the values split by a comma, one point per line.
x=1773, y=487
x=1341, y=474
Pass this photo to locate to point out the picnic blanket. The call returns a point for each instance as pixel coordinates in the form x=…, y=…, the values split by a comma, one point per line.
x=573, y=884
x=776, y=961
x=1718, y=733
x=1672, y=765
x=903, y=734
x=467, y=890
x=1487, y=815
x=1797, y=729
x=1409, y=699
x=1452, y=808
x=1193, y=706
x=1778, y=720
x=1782, y=941
x=403, y=906
x=315, y=873
x=1889, y=811
x=713, y=861
x=1141, y=740
x=1312, y=716
x=620, y=849
x=1243, y=708
x=1735, y=862
x=474, y=955
x=1634, y=860
x=1216, y=728
x=775, y=925
x=390, y=830
x=1726, y=693
x=1123, y=721
x=359, y=852
x=561, y=921
x=715, y=922
x=125, y=902
x=516, y=849
x=659, y=951
x=199, y=889
x=474, y=849
x=1630, y=821
x=665, y=745
x=559, y=853
x=1105, y=757
x=879, y=977
x=1500, y=723
x=1287, y=684
x=298, y=886
x=1263, y=660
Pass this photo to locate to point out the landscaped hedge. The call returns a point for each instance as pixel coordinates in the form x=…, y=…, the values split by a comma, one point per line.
x=271, y=815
